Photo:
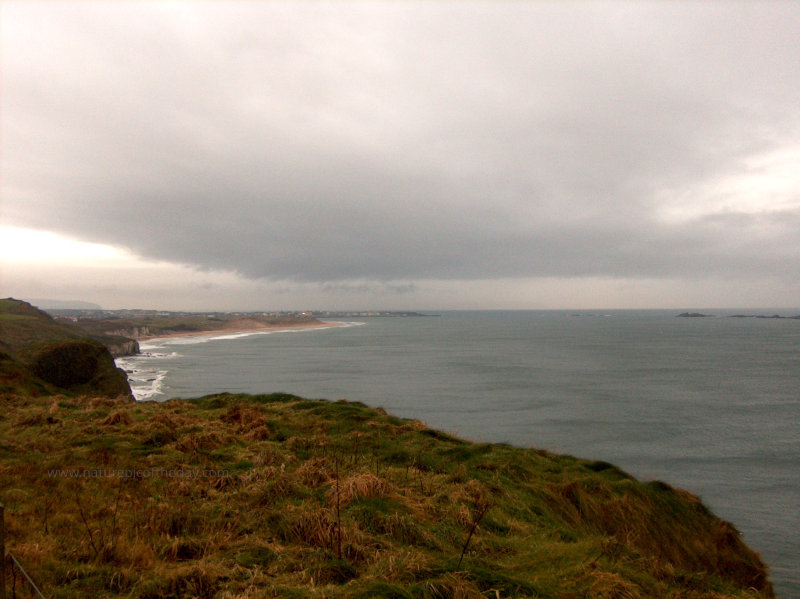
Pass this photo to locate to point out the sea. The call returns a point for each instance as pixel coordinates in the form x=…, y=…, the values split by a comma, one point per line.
x=710, y=404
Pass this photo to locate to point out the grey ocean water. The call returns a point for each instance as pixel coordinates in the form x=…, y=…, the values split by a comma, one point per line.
x=708, y=404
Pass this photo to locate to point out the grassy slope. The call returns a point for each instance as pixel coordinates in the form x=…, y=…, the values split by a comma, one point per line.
x=408, y=497
x=40, y=356
x=22, y=325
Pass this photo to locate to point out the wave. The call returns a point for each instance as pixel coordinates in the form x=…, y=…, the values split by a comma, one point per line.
x=149, y=386
x=147, y=380
x=195, y=339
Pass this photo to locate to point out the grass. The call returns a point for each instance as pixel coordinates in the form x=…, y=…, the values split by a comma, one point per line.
x=39, y=356
x=21, y=325
x=238, y=497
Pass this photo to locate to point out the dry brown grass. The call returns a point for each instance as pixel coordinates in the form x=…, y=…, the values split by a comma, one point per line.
x=200, y=442
x=272, y=455
x=182, y=548
x=453, y=586
x=609, y=585
x=268, y=491
x=313, y=526
x=164, y=419
x=247, y=419
x=364, y=485
x=117, y=418
x=407, y=565
x=35, y=418
x=259, y=433
x=315, y=472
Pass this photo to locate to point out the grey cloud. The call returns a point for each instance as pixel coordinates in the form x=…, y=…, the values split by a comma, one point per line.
x=397, y=141
x=372, y=289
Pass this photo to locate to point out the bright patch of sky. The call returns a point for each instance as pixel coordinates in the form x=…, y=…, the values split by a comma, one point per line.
x=764, y=184
x=31, y=246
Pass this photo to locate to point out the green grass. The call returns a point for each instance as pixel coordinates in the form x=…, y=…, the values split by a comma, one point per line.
x=39, y=356
x=260, y=519
x=22, y=325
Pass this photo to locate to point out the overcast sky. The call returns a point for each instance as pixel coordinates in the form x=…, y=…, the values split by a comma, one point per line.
x=402, y=155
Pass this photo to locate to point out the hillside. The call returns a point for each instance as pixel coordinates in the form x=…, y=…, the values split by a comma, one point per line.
x=22, y=325
x=40, y=356
x=234, y=496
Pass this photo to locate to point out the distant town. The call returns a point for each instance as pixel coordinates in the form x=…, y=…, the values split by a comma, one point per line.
x=76, y=314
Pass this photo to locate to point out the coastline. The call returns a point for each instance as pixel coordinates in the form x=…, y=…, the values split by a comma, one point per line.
x=145, y=378
x=251, y=326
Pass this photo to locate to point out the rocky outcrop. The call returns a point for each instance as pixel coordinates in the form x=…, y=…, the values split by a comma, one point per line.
x=80, y=366
x=123, y=342
x=119, y=346
x=16, y=379
x=123, y=348
x=132, y=332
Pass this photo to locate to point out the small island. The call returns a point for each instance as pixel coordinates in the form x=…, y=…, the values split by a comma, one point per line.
x=366, y=314
x=694, y=315
x=773, y=316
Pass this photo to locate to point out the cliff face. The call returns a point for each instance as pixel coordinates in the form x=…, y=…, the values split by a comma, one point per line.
x=43, y=356
x=132, y=332
x=119, y=346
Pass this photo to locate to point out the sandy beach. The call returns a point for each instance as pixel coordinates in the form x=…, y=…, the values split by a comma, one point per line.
x=243, y=325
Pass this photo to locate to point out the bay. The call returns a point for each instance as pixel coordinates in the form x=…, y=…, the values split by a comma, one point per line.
x=711, y=405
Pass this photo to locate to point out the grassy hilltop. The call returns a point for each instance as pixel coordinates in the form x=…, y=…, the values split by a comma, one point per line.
x=235, y=496
x=39, y=356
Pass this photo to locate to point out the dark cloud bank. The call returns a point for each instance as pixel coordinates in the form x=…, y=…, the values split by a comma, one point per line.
x=388, y=142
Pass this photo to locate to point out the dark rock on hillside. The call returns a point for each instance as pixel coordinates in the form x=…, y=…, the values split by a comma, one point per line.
x=17, y=379
x=80, y=366
x=121, y=346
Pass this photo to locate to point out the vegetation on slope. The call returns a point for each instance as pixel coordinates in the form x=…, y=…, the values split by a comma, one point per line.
x=40, y=356
x=234, y=496
x=22, y=325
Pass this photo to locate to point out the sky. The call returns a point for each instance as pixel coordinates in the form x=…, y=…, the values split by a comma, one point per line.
x=401, y=155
